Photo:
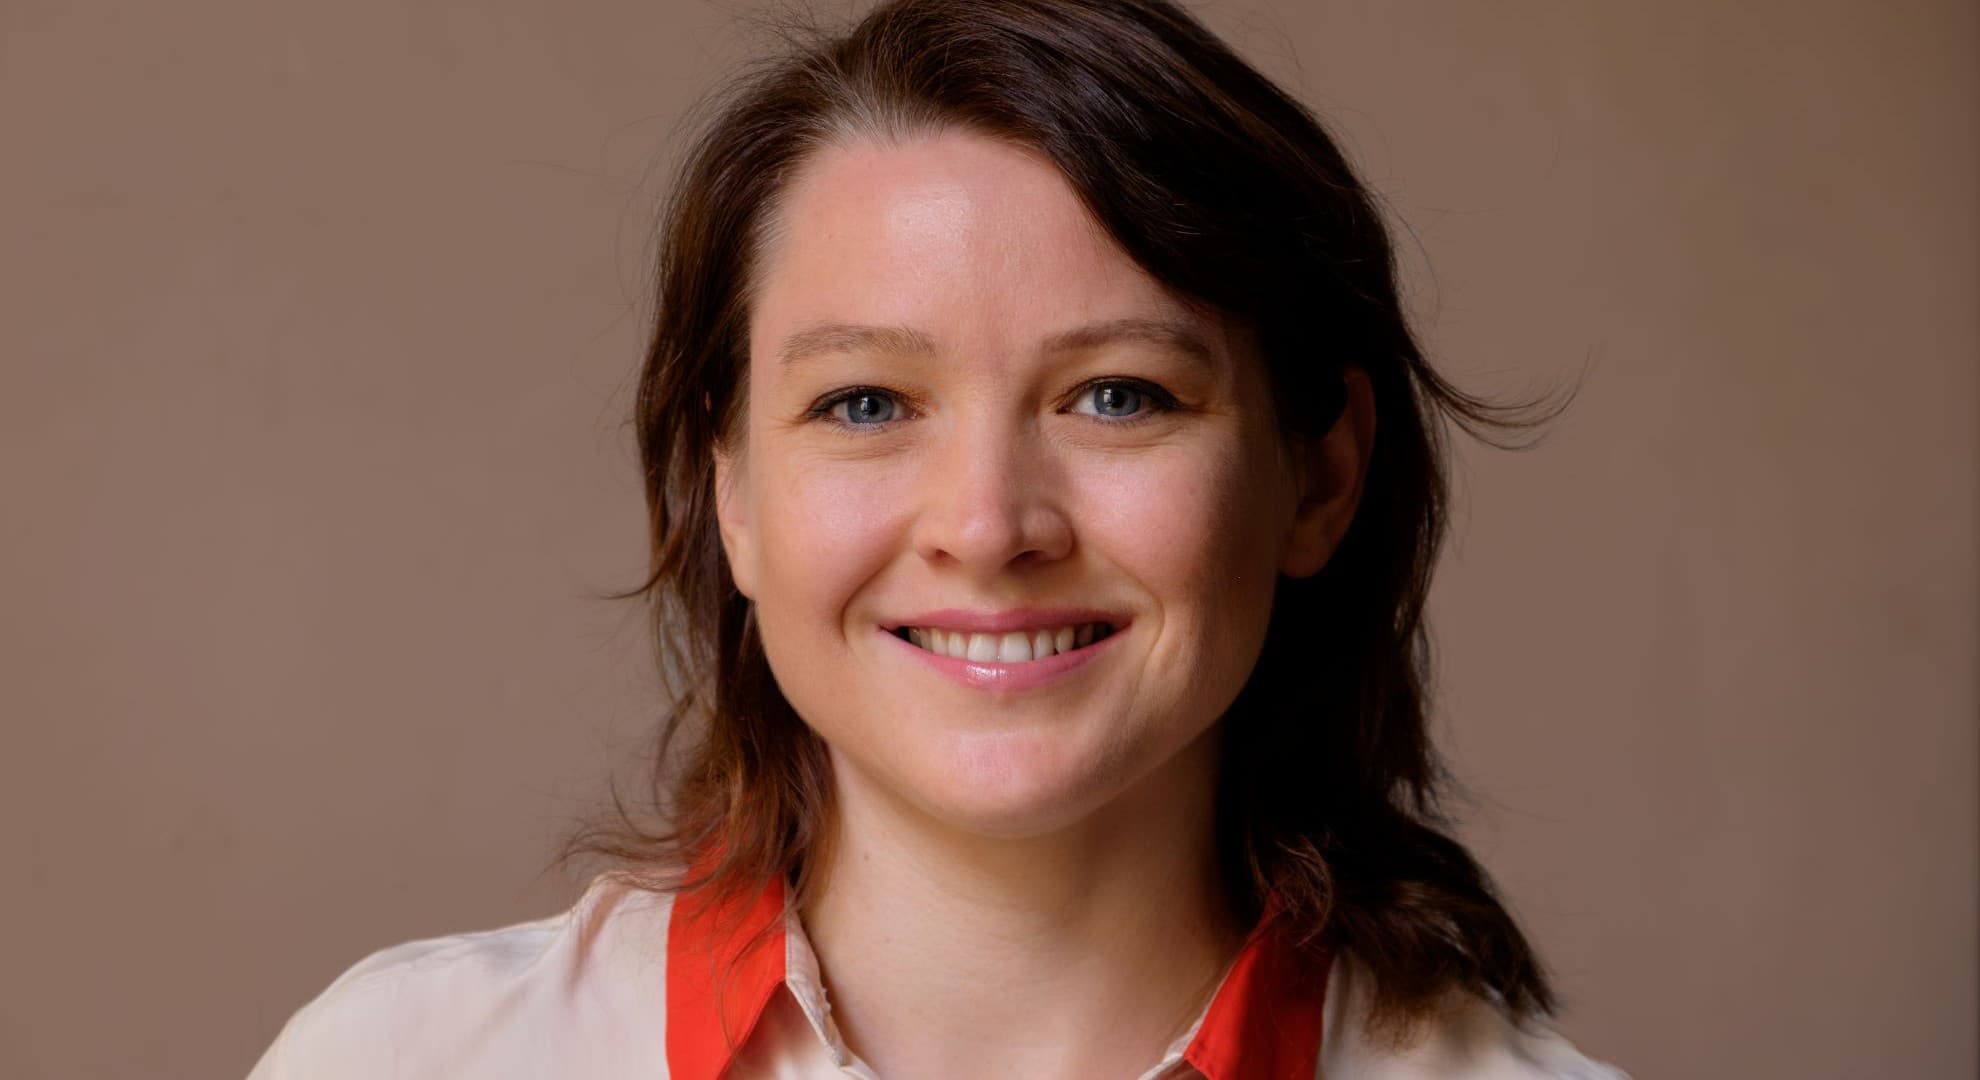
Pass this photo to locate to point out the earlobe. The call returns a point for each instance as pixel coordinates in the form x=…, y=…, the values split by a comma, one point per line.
x=1330, y=472
x=733, y=521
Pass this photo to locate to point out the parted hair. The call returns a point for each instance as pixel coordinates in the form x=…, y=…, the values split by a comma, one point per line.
x=1332, y=799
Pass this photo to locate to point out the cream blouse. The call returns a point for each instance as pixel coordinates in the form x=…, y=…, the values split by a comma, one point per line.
x=632, y=984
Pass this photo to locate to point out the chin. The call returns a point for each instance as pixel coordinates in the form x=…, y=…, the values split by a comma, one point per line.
x=1012, y=788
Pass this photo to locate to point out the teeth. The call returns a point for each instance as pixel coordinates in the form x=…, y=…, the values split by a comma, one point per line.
x=1013, y=648
x=1016, y=647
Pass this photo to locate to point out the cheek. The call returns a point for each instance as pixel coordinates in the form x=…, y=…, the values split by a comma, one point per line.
x=1191, y=523
x=1199, y=532
x=827, y=528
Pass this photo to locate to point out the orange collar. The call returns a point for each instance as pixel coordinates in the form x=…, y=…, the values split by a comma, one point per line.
x=725, y=961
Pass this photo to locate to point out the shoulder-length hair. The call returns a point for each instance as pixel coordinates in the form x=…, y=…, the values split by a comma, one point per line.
x=1229, y=192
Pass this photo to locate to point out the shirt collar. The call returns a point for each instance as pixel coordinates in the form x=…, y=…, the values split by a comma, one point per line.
x=726, y=959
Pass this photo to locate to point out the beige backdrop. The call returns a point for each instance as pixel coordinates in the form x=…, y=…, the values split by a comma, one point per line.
x=318, y=325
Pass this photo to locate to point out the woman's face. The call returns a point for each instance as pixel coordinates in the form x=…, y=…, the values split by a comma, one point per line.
x=1010, y=514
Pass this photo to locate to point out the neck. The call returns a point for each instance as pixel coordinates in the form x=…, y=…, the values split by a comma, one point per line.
x=1081, y=952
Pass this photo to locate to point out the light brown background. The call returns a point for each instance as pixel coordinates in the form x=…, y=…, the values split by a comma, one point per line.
x=318, y=326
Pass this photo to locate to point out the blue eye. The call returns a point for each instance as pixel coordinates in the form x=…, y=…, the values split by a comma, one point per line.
x=1124, y=399
x=864, y=407
x=1115, y=399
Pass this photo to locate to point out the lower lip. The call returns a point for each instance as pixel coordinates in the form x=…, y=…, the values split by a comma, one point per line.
x=989, y=675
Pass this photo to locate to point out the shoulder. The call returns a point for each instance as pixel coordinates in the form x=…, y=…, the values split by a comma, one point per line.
x=1469, y=1039
x=513, y=1001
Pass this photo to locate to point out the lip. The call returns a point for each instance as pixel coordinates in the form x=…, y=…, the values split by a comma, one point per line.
x=1003, y=622
x=1007, y=678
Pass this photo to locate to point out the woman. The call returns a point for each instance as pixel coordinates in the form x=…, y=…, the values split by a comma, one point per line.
x=1044, y=486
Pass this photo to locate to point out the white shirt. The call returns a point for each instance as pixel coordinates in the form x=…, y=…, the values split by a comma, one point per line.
x=630, y=984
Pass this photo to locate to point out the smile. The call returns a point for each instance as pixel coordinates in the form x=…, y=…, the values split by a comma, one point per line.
x=1010, y=651
x=1011, y=647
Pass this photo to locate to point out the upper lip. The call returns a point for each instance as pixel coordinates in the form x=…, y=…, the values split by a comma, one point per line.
x=1009, y=620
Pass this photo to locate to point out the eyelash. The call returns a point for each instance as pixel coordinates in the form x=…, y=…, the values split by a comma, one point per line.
x=1159, y=401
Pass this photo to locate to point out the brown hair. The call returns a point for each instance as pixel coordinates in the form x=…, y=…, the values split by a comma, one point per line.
x=1230, y=192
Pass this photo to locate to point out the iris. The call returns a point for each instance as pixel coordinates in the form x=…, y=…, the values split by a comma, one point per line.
x=1116, y=399
x=869, y=409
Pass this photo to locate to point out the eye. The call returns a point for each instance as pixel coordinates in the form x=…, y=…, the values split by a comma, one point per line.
x=866, y=409
x=1123, y=399
x=858, y=406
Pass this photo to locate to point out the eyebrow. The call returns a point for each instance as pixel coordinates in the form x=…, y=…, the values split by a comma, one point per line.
x=1174, y=335
x=850, y=337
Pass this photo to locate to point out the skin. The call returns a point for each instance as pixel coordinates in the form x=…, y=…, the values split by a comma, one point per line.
x=1020, y=882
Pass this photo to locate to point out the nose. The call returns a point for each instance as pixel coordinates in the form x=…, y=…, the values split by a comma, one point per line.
x=991, y=501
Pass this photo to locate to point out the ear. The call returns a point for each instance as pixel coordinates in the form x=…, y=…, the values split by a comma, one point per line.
x=734, y=520
x=1329, y=471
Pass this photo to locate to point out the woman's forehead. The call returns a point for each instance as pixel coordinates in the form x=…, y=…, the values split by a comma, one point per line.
x=950, y=234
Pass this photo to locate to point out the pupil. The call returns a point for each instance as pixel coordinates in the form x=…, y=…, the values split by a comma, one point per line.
x=1119, y=400
x=870, y=407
